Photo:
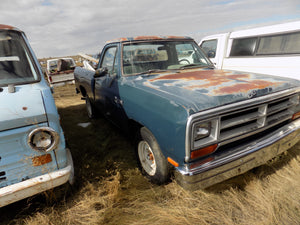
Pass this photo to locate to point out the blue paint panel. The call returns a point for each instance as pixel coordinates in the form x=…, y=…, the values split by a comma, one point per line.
x=16, y=160
x=23, y=111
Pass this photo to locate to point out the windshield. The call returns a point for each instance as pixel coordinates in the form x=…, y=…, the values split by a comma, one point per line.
x=156, y=56
x=15, y=63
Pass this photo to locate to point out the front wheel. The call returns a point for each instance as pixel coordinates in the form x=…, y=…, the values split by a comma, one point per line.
x=151, y=160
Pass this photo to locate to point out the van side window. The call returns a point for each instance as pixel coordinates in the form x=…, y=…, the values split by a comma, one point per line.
x=279, y=44
x=243, y=47
x=210, y=47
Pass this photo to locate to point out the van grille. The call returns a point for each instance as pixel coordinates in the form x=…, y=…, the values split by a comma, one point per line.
x=2, y=174
x=245, y=122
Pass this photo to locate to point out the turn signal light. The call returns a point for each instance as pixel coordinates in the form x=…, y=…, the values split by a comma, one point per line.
x=174, y=163
x=203, y=151
x=296, y=116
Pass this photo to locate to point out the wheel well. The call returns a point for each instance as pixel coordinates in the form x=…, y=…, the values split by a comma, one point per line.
x=83, y=91
x=134, y=127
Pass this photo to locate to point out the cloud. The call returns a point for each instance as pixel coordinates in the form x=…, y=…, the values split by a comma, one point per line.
x=59, y=28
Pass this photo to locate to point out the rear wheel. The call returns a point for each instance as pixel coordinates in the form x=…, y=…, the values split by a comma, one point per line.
x=151, y=160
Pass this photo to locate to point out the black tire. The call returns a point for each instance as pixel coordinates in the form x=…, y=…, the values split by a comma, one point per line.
x=151, y=161
x=91, y=111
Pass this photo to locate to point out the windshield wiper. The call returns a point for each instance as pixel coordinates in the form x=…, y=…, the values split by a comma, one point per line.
x=148, y=72
x=195, y=65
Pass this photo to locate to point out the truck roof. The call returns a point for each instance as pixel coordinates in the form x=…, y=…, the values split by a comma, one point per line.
x=145, y=38
x=8, y=27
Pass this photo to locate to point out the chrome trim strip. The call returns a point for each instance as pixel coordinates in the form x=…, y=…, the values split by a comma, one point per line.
x=204, y=115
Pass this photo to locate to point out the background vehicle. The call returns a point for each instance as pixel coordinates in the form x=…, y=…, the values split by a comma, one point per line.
x=206, y=124
x=273, y=50
x=60, y=70
x=33, y=154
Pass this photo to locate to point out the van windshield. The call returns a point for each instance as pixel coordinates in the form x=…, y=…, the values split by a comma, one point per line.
x=16, y=65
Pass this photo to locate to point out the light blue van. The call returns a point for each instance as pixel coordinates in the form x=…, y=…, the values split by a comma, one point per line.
x=33, y=154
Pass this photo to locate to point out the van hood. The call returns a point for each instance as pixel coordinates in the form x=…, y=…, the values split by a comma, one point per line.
x=200, y=89
x=24, y=107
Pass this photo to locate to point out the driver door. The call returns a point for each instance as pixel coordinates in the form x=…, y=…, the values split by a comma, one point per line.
x=106, y=87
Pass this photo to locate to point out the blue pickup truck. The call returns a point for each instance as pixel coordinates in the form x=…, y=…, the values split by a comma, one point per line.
x=33, y=154
x=201, y=124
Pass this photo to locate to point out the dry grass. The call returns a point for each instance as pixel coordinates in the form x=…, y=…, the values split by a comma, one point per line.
x=111, y=190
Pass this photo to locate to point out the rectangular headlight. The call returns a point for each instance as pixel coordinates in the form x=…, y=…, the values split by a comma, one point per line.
x=204, y=133
x=201, y=130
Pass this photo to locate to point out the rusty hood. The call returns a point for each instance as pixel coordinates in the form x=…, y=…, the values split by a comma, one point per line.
x=201, y=89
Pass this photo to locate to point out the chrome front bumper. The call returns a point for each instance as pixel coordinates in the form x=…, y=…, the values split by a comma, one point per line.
x=205, y=173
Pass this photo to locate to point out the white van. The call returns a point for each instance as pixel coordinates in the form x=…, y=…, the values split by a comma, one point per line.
x=273, y=50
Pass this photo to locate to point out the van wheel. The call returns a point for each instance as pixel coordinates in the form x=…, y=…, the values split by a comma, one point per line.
x=90, y=108
x=150, y=158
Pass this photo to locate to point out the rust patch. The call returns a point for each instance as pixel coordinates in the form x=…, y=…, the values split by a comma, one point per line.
x=209, y=77
x=244, y=87
x=202, y=75
x=117, y=40
x=140, y=38
x=147, y=38
x=41, y=160
x=218, y=82
x=6, y=27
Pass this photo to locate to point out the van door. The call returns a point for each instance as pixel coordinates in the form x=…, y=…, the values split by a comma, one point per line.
x=215, y=46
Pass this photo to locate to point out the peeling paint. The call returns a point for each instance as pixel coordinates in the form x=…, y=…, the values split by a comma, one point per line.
x=7, y=27
x=214, y=82
x=142, y=38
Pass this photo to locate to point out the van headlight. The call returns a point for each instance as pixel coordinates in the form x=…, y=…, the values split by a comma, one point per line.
x=43, y=139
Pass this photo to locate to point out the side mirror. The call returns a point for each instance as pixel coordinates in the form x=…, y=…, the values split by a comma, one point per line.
x=101, y=72
x=211, y=54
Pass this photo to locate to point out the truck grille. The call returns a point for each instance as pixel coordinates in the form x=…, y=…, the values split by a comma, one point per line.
x=245, y=122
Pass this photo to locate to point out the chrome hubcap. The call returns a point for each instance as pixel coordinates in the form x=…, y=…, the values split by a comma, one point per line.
x=147, y=158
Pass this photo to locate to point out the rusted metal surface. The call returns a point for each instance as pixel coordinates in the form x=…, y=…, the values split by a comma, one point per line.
x=215, y=82
x=41, y=160
x=33, y=186
x=141, y=38
x=7, y=27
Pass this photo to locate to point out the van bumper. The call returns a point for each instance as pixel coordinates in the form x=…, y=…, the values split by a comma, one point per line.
x=30, y=187
x=222, y=166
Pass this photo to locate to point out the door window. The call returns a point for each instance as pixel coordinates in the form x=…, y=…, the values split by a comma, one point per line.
x=109, y=60
x=210, y=47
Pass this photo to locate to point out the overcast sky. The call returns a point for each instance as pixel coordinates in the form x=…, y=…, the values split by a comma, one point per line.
x=67, y=27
